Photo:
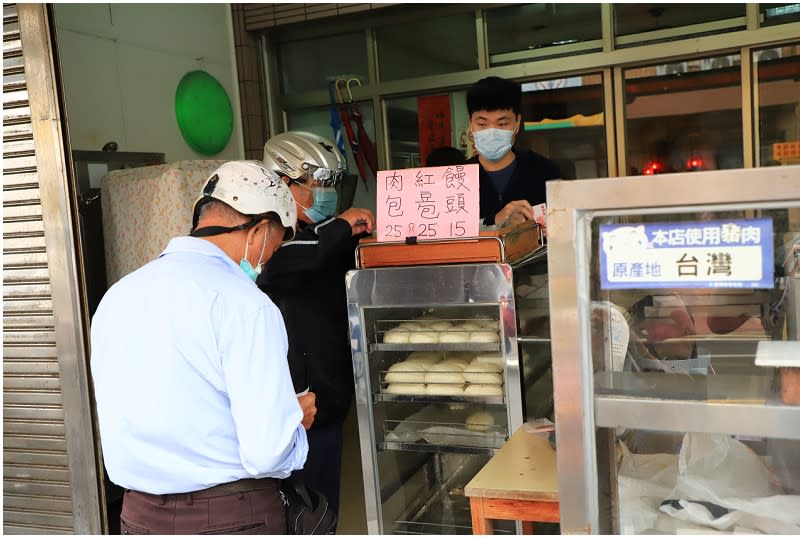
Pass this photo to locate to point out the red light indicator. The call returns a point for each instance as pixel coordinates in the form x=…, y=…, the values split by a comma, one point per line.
x=652, y=167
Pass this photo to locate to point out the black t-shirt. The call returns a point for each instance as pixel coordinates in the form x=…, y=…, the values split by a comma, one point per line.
x=527, y=182
x=501, y=178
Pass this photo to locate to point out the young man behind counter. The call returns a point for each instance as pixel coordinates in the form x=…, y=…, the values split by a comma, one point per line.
x=511, y=181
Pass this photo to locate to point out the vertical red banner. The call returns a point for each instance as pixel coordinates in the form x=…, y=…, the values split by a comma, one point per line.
x=434, y=124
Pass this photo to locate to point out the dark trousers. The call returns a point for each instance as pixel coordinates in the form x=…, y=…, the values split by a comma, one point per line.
x=258, y=511
x=323, y=467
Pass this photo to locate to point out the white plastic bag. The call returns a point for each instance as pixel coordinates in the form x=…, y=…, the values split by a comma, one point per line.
x=715, y=483
x=644, y=480
x=719, y=470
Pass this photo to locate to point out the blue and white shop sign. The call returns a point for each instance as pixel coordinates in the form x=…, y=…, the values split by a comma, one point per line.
x=701, y=254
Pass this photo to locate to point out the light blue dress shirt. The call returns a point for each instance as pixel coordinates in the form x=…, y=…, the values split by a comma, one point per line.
x=190, y=376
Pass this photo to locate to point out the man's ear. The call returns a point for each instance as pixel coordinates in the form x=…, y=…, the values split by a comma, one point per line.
x=255, y=230
x=251, y=234
x=519, y=124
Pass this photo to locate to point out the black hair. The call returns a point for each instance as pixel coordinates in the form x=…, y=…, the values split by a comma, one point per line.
x=494, y=93
x=444, y=156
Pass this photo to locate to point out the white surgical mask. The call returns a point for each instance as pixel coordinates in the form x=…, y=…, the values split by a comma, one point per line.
x=493, y=144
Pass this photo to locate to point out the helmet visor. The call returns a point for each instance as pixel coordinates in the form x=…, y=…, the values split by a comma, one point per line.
x=325, y=177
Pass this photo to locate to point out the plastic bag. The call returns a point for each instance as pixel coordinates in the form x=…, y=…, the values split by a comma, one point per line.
x=715, y=483
x=733, y=486
x=644, y=481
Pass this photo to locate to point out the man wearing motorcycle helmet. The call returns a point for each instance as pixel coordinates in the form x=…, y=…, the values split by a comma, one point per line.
x=196, y=412
x=306, y=279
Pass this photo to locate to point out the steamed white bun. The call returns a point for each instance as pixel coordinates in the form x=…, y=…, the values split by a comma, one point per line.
x=405, y=377
x=492, y=358
x=406, y=388
x=483, y=336
x=480, y=421
x=453, y=337
x=444, y=389
x=396, y=336
x=423, y=337
x=470, y=326
x=483, y=390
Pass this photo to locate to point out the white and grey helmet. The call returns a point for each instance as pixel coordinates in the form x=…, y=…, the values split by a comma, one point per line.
x=303, y=156
x=252, y=190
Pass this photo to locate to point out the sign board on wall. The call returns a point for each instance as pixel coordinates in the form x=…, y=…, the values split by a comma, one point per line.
x=428, y=203
x=698, y=254
x=433, y=117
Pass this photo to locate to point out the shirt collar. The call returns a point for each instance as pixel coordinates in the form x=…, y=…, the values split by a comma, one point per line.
x=196, y=245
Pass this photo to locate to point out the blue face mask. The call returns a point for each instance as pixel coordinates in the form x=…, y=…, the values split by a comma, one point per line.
x=245, y=264
x=249, y=270
x=493, y=143
x=324, y=206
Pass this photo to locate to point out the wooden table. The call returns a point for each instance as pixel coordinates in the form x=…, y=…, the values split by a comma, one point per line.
x=519, y=482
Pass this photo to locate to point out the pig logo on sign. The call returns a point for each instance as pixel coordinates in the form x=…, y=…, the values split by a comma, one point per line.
x=624, y=241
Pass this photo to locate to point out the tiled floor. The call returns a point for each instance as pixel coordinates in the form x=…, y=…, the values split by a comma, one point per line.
x=352, y=515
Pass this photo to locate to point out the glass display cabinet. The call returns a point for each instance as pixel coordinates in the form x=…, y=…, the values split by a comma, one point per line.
x=674, y=307
x=439, y=382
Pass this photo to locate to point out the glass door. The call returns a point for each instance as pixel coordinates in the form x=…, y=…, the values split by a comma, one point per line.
x=692, y=313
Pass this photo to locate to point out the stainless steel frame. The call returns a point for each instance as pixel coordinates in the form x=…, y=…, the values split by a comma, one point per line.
x=578, y=411
x=428, y=286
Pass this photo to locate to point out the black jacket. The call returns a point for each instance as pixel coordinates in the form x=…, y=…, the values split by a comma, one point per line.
x=527, y=183
x=305, y=278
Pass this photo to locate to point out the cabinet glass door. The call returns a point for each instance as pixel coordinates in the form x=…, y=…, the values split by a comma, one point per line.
x=694, y=321
x=437, y=380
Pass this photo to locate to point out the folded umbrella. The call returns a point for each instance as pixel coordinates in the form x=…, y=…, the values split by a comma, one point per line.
x=345, y=115
x=365, y=144
x=366, y=147
x=336, y=122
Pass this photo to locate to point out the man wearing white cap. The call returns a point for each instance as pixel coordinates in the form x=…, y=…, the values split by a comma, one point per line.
x=198, y=418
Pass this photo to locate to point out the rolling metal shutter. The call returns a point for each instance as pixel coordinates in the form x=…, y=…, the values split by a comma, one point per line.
x=39, y=445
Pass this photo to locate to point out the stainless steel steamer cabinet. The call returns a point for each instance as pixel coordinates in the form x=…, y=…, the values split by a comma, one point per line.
x=419, y=443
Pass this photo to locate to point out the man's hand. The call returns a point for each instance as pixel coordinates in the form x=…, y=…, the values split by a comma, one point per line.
x=308, y=404
x=515, y=212
x=360, y=220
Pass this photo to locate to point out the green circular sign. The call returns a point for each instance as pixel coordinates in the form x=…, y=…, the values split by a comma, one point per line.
x=204, y=112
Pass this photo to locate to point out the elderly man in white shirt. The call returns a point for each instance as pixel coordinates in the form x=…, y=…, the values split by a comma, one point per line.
x=197, y=412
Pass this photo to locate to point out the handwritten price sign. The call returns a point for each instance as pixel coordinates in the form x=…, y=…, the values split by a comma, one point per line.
x=428, y=203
